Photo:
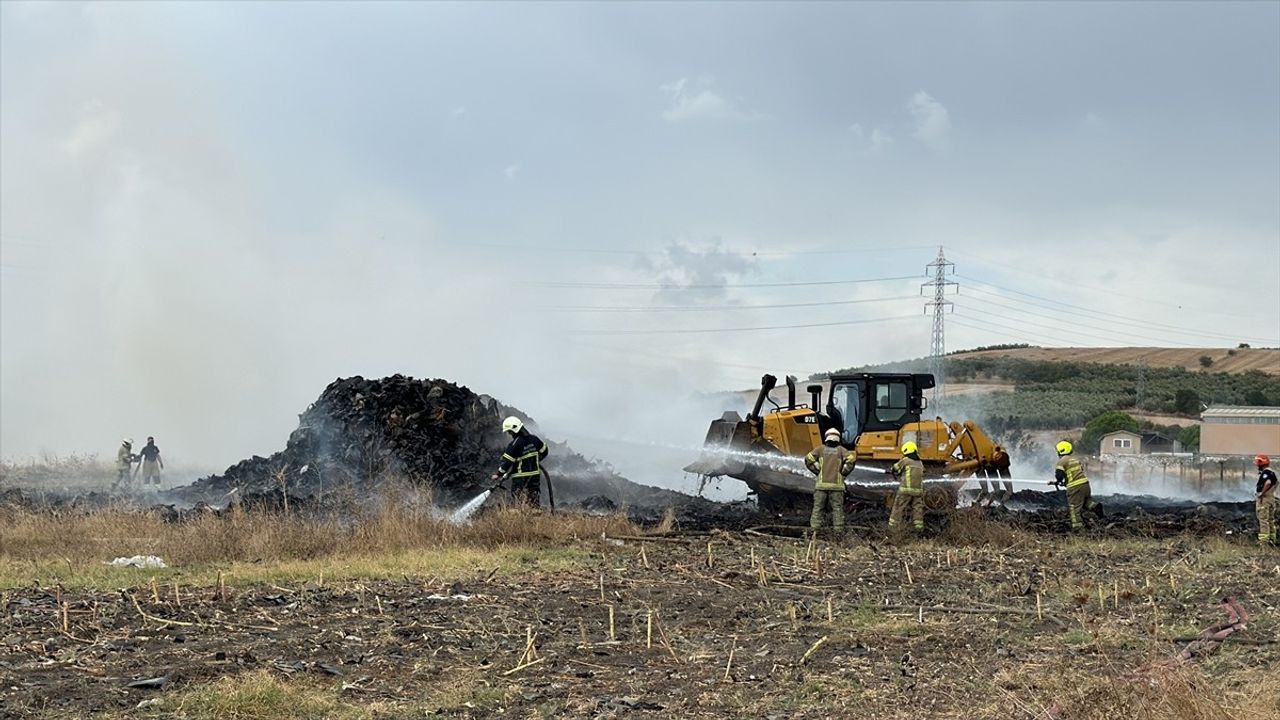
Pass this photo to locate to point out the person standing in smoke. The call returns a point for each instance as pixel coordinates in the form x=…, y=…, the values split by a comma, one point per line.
x=522, y=462
x=151, y=463
x=124, y=465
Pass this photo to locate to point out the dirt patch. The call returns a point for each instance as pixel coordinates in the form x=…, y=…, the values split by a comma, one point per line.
x=719, y=626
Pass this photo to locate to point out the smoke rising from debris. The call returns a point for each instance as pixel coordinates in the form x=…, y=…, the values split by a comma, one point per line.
x=208, y=214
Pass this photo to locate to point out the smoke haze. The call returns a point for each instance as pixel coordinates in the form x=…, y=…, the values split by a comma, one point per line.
x=210, y=211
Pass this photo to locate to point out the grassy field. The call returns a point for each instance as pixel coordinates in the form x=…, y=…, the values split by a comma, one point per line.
x=1226, y=360
x=397, y=615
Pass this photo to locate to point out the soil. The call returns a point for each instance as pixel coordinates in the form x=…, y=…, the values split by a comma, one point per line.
x=742, y=628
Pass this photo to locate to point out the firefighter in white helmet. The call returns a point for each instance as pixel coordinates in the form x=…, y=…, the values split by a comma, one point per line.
x=124, y=465
x=831, y=463
x=522, y=462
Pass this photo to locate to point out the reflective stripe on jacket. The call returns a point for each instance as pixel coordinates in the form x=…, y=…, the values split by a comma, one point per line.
x=911, y=473
x=831, y=465
x=523, y=457
x=1072, y=471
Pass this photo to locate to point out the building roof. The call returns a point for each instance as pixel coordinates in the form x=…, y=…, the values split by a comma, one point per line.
x=1122, y=432
x=1241, y=411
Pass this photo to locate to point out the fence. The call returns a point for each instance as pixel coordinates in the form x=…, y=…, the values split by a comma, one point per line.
x=1175, y=475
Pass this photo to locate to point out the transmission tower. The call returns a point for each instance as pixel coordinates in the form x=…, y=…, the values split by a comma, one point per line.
x=940, y=306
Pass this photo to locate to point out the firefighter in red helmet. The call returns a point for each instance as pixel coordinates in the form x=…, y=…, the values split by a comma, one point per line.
x=1266, y=501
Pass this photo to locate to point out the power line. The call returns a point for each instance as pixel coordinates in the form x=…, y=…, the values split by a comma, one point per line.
x=1069, y=331
x=741, y=329
x=1093, y=311
x=728, y=251
x=1144, y=326
x=685, y=359
x=712, y=308
x=1076, y=285
x=1122, y=335
x=674, y=286
x=1021, y=332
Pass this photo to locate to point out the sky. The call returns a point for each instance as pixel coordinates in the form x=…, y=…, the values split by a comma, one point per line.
x=209, y=211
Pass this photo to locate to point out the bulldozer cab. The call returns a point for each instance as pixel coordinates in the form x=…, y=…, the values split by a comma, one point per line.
x=872, y=402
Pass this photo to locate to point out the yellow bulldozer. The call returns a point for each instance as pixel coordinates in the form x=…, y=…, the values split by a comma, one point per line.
x=875, y=414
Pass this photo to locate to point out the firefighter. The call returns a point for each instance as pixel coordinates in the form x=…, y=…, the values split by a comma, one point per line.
x=1266, y=501
x=124, y=464
x=1069, y=472
x=522, y=462
x=910, y=496
x=151, y=463
x=831, y=463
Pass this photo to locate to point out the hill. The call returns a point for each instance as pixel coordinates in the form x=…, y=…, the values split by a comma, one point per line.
x=1010, y=393
x=1225, y=360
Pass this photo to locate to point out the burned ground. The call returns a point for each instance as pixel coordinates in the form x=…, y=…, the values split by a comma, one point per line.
x=334, y=588
x=708, y=625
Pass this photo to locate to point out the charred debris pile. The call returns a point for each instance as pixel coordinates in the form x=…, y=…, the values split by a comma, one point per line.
x=362, y=434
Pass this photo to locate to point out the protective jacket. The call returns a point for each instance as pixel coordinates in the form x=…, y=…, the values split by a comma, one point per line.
x=831, y=463
x=1070, y=471
x=124, y=458
x=524, y=456
x=910, y=471
x=1266, y=481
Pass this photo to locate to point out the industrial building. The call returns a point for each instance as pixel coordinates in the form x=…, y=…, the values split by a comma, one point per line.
x=1240, y=430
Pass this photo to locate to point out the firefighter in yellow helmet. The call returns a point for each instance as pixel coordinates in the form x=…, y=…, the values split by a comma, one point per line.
x=910, y=496
x=1070, y=473
x=832, y=463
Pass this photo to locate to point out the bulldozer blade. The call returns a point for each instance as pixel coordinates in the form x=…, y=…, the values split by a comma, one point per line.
x=713, y=465
x=727, y=433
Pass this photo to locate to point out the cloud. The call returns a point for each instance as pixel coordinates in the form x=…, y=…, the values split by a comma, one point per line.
x=873, y=143
x=95, y=128
x=933, y=121
x=695, y=103
x=693, y=273
x=511, y=171
x=458, y=111
x=1093, y=121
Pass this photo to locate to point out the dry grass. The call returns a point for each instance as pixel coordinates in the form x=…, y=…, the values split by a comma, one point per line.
x=260, y=695
x=970, y=527
x=395, y=538
x=1183, y=693
x=53, y=472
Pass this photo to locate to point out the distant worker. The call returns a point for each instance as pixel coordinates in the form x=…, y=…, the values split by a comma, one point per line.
x=522, y=462
x=124, y=464
x=910, y=496
x=832, y=464
x=998, y=467
x=1266, y=501
x=151, y=463
x=1069, y=472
